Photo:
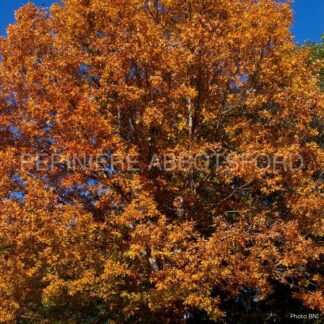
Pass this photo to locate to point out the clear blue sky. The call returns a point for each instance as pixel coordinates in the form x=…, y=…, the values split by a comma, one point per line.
x=309, y=17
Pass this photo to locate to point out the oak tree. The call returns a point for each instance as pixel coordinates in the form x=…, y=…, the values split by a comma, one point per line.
x=142, y=245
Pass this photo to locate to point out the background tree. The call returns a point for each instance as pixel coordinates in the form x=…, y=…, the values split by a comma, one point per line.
x=155, y=77
x=317, y=57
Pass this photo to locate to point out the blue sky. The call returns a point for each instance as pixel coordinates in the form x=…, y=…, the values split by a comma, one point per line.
x=309, y=17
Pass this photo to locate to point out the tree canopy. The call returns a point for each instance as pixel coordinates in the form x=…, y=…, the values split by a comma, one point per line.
x=231, y=242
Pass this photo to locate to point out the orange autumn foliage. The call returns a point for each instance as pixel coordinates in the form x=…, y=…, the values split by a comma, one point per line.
x=156, y=77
